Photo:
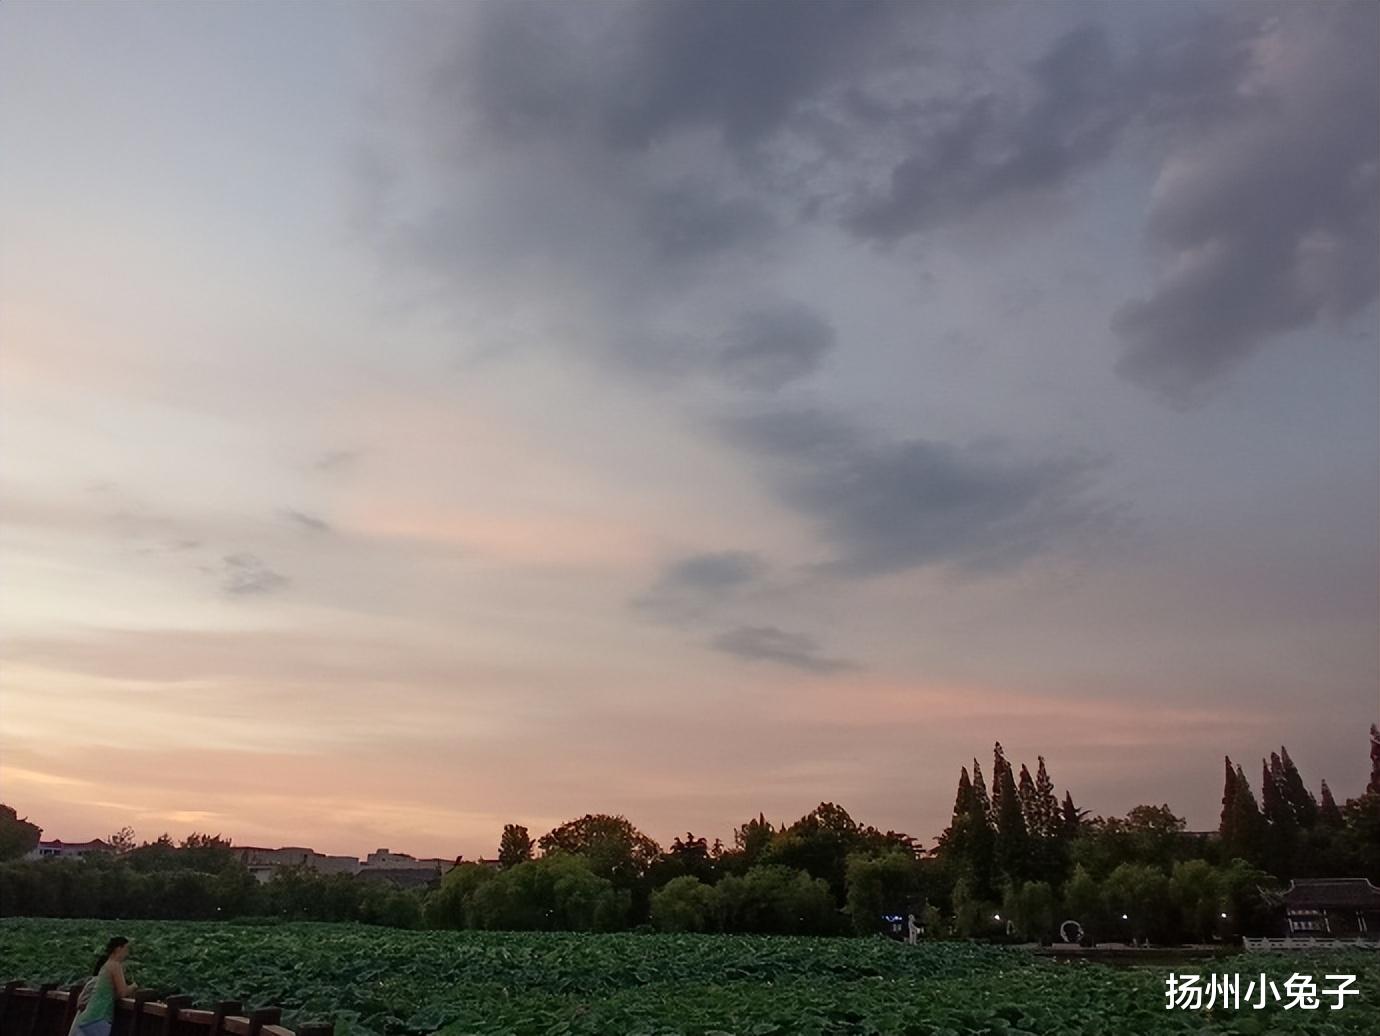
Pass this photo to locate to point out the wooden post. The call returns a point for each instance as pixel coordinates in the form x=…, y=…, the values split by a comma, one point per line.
x=141, y=997
x=264, y=1016
x=175, y=1003
x=70, y=1014
x=7, y=1001
x=218, y=1016
x=36, y=1022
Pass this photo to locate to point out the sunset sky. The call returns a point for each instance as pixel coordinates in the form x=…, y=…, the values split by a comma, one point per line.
x=419, y=418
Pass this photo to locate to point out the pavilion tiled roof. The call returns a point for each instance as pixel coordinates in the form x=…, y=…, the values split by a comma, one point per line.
x=1342, y=893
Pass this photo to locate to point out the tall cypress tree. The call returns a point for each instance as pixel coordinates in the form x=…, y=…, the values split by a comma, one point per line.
x=1328, y=813
x=1272, y=805
x=1013, y=846
x=981, y=801
x=1373, y=788
x=1030, y=806
x=1048, y=804
x=1226, y=826
x=1247, y=825
x=1280, y=835
x=1300, y=799
x=982, y=839
x=963, y=802
x=1071, y=818
x=957, y=839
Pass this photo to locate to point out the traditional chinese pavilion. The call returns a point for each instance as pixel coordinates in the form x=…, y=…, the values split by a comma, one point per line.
x=1332, y=907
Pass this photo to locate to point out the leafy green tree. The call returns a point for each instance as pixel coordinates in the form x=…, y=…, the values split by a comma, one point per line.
x=121, y=841
x=209, y=854
x=753, y=838
x=1247, y=898
x=772, y=899
x=821, y=842
x=1136, y=899
x=881, y=885
x=235, y=891
x=1196, y=890
x=381, y=904
x=559, y=892
x=514, y=846
x=158, y=855
x=18, y=837
x=451, y=905
x=686, y=904
x=1030, y=907
x=974, y=915
x=690, y=856
x=1083, y=902
x=614, y=848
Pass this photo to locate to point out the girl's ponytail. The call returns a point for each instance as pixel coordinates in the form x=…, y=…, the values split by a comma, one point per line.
x=110, y=947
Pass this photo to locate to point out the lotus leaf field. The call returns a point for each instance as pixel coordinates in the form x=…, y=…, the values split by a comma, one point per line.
x=388, y=981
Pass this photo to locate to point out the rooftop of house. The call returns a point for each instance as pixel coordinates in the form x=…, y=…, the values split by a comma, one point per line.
x=1310, y=893
x=58, y=843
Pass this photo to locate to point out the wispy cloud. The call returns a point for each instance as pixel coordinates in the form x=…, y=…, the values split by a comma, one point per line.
x=770, y=644
x=305, y=521
x=692, y=586
x=246, y=575
x=889, y=506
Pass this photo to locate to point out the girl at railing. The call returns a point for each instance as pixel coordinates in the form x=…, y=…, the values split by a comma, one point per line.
x=96, y=1006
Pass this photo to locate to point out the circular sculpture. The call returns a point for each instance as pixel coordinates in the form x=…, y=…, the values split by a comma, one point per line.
x=1064, y=931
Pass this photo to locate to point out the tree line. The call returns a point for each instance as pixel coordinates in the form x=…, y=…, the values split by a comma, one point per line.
x=1016, y=859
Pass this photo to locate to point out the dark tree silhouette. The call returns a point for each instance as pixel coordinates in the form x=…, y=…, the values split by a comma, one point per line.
x=514, y=846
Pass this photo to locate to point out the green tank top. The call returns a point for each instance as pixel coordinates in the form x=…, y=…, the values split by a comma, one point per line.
x=101, y=1006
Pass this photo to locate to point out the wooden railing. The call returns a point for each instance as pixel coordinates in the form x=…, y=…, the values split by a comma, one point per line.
x=48, y=1011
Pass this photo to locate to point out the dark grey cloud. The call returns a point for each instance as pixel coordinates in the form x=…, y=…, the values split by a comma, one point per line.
x=305, y=521
x=244, y=575
x=632, y=74
x=991, y=147
x=892, y=505
x=689, y=222
x=613, y=153
x=770, y=347
x=646, y=163
x=1271, y=222
x=693, y=585
x=770, y=644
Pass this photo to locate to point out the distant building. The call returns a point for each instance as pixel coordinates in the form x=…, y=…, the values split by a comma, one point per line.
x=57, y=849
x=1330, y=907
x=387, y=860
x=263, y=863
